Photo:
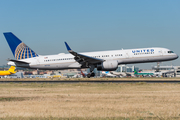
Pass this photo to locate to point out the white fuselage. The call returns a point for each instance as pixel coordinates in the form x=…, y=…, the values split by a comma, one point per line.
x=128, y=56
x=108, y=74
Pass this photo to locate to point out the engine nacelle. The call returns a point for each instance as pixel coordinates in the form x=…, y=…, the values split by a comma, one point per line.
x=108, y=65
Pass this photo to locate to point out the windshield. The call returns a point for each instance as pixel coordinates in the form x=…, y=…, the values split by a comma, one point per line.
x=170, y=52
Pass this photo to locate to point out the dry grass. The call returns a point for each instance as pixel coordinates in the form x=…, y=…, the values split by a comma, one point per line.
x=91, y=79
x=90, y=101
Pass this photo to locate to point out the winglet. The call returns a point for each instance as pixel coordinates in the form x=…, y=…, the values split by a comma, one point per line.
x=67, y=46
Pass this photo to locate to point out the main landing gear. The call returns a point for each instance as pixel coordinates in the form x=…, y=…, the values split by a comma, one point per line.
x=92, y=74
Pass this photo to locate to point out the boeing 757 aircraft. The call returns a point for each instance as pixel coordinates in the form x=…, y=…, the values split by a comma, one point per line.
x=102, y=60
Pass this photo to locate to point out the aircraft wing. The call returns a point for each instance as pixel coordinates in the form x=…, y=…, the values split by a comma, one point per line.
x=83, y=58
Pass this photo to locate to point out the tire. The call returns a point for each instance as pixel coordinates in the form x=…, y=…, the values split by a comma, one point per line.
x=92, y=74
x=89, y=75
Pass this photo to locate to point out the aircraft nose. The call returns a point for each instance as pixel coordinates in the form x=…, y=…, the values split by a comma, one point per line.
x=176, y=56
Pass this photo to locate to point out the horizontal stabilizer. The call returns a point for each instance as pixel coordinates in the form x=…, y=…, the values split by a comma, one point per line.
x=17, y=61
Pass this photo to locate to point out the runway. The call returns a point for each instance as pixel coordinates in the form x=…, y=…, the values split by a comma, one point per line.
x=97, y=81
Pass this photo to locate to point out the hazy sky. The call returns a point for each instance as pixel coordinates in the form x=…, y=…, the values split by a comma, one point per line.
x=93, y=25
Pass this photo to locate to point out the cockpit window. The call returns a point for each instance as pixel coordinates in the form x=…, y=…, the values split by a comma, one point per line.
x=170, y=52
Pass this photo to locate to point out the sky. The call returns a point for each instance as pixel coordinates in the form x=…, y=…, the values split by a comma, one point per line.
x=91, y=25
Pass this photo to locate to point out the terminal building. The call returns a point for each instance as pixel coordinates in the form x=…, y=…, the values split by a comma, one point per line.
x=125, y=68
x=158, y=71
x=121, y=68
x=167, y=71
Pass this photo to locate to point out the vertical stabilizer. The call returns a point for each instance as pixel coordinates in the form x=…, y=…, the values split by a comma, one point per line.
x=83, y=74
x=18, y=48
x=135, y=72
x=11, y=69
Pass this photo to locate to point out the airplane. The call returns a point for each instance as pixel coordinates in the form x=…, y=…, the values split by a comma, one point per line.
x=121, y=74
x=8, y=72
x=143, y=73
x=102, y=60
x=84, y=74
x=108, y=74
x=132, y=74
x=76, y=76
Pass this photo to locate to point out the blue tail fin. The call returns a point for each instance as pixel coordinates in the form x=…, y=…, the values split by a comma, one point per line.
x=18, y=48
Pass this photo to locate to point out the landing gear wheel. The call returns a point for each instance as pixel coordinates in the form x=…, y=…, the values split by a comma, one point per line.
x=91, y=75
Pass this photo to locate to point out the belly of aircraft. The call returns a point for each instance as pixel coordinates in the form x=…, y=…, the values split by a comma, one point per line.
x=58, y=66
x=147, y=59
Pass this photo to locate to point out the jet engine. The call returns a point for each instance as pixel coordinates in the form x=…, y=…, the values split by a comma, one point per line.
x=108, y=65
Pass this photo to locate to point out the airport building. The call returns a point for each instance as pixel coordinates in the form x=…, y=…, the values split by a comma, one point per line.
x=125, y=68
x=121, y=68
x=160, y=71
x=167, y=71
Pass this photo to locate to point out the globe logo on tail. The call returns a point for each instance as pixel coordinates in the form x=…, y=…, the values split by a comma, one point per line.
x=23, y=52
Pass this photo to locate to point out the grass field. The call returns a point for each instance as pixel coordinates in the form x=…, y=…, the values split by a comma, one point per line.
x=91, y=79
x=90, y=101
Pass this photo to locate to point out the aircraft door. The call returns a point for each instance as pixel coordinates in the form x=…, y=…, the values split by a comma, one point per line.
x=128, y=54
x=37, y=61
